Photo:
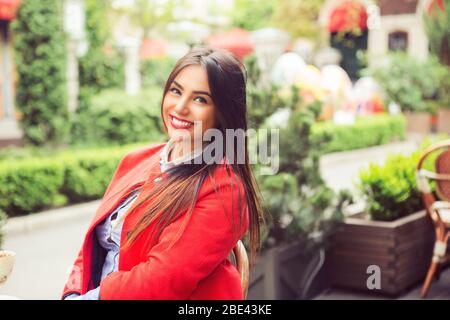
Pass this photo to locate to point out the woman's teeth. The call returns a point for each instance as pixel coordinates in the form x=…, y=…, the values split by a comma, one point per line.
x=180, y=123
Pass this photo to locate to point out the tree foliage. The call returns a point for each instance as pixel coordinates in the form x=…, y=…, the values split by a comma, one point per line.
x=98, y=69
x=437, y=26
x=298, y=17
x=252, y=14
x=39, y=44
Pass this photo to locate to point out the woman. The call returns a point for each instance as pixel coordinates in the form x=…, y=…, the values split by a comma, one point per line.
x=169, y=219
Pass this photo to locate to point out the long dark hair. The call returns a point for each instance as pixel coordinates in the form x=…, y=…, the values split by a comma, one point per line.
x=179, y=189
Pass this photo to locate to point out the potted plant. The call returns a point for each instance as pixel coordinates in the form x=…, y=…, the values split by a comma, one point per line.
x=301, y=211
x=393, y=233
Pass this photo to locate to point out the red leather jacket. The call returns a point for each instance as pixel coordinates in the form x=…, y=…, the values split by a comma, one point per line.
x=195, y=267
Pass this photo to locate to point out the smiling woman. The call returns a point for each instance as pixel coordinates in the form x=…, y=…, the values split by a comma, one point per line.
x=166, y=226
x=187, y=102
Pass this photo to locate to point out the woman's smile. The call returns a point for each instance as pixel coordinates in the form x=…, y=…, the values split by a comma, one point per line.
x=179, y=123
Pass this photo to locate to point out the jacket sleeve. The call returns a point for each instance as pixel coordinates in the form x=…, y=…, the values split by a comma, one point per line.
x=172, y=271
x=73, y=284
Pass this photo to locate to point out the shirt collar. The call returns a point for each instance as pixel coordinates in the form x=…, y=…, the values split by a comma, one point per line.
x=165, y=164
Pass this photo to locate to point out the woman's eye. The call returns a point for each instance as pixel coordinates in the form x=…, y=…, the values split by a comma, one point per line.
x=201, y=100
x=175, y=90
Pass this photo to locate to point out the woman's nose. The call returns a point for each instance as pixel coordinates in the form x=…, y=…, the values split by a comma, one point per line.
x=182, y=106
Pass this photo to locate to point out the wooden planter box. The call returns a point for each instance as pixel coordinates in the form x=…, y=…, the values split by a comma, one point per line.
x=401, y=248
x=418, y=122
x=443, y=124
x=287, y=272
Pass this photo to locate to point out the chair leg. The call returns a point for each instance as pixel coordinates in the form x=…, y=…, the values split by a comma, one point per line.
x=429, y=278
x=437, y=275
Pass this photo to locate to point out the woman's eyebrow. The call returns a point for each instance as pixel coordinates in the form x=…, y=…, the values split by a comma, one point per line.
x=198, y=92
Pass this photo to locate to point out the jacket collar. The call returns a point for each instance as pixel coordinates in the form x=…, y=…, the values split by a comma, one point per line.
x=164, y=162
x=146, y=168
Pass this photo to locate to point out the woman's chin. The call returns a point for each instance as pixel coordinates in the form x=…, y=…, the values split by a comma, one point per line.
x=180, y=135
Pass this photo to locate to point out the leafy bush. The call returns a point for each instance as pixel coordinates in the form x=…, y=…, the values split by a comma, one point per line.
x=390, y=189
x=117, y=118
x=297, y=199
x=40, y=51
x=263, y=101
x=365, y=132
x=407, y=81
x=31, y=184
x=156, y=71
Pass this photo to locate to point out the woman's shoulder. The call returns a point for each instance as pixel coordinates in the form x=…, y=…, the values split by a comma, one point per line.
x=144, y=152
x=223, y=177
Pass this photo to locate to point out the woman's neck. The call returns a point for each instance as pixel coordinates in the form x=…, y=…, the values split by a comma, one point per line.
x=179, y=151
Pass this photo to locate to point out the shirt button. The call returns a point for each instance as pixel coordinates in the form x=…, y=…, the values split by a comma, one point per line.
x=157, y=179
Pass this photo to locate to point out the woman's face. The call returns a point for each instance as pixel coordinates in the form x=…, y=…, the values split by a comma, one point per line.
x=187, y=100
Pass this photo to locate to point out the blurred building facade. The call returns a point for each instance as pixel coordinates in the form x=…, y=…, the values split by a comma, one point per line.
x=9, y=128
x=384, y=25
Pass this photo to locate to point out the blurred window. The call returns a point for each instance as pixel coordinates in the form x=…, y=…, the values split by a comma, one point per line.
x=398, y=40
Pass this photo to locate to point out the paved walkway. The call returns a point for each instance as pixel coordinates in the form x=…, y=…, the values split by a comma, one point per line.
x=439, y=290
x=47, y=243
x=341, y=170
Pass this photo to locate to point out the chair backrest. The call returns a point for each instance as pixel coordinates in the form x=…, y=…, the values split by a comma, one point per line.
x=443, y=167
x=240, y=255
x=440, y=175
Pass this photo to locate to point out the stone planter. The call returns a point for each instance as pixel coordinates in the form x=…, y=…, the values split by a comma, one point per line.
x=443, y=121
x=418, y=122
x=7, y=259
x=402, y=249
x=294, y=271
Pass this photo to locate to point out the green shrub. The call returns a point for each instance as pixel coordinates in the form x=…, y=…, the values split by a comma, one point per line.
x=31, y=184
x=263, y=101
x=365, y=132
x=390, y=189
x=297, y=199
x=117, y=118
x=156, y=71
x=408, y=81
x=86, y=176
x=40, y=52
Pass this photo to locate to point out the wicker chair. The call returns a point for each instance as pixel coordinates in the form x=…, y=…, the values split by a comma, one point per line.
x=437, y=209
x=242, y=265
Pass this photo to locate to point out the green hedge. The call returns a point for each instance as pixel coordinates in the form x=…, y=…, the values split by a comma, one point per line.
x=365, y=132
x=116, y=118
x=32, y=184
